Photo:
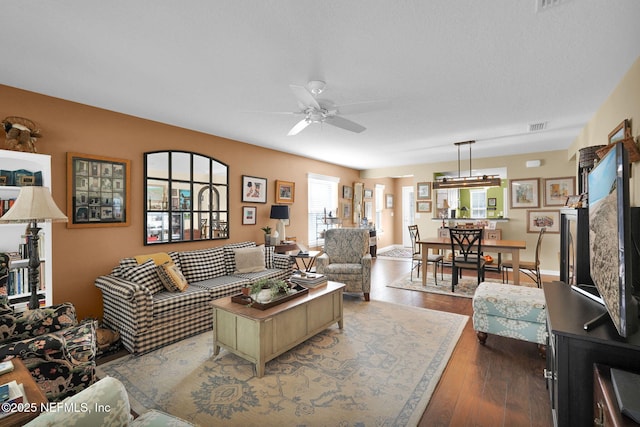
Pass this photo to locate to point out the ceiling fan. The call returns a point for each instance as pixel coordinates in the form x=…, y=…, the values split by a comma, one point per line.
x=317, y=110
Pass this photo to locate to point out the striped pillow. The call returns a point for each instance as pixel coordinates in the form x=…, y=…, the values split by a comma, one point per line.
x=171, y=277
x=144, y=274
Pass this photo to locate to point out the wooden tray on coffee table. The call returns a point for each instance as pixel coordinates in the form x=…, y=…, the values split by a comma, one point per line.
x=246, y=299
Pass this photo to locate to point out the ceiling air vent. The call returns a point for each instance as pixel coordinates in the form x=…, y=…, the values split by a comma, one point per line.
x=536, y=127
x=542, y=5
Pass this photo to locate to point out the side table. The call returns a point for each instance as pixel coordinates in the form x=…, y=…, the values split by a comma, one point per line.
x=34, y=395
x=307, y=260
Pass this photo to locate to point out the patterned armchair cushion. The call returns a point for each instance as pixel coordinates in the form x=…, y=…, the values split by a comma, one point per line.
x=62, y=358
x=31, y=323
x=346, y=245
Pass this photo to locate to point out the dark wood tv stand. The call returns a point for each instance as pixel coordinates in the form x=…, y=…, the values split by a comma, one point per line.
x=572, y=352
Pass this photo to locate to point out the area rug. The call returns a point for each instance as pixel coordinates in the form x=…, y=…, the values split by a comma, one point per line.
x=465, y=288
x=379, y=370
x=396, y=252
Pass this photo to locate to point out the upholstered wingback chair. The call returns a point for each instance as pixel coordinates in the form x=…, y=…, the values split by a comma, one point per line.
x=58, y=352
x=346, y=259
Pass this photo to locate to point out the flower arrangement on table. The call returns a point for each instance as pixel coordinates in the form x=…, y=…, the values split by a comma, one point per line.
x=265, y=290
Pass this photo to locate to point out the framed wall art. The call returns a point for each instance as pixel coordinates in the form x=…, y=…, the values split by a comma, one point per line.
x=424, y=191
x=556, y=190
x=388, y=198
x=254, y=189
x=424, y=206
x=249, y=215
x=98, y=191
x=345, y=210
x=347, y=192
x=285, y=191
x=622, y=131
x=368, y=193
x=537, y=219
x=524, y=193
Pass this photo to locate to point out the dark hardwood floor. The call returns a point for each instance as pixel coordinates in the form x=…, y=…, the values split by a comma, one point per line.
x=498, y=384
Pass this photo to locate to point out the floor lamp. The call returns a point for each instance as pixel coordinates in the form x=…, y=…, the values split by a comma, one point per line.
x=280, y=212
x=33, y=205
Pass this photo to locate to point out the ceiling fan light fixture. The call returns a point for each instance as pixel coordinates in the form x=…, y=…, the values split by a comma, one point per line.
x=316, y=87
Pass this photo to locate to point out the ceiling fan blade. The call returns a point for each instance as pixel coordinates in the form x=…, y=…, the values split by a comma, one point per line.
x=343, y=123
x=299, y=127
x=364, y=107
x=304, y=97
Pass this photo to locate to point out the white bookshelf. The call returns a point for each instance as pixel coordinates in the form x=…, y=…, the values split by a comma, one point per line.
x=12, y=235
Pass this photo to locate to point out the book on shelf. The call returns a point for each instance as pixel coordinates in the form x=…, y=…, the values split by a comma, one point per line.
x=15, y=393
x=309, y=280
x=6, y=367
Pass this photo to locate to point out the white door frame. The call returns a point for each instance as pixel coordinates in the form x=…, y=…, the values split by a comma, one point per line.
x=408, y=214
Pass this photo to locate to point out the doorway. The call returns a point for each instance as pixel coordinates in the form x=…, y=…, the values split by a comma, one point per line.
x=408, y=214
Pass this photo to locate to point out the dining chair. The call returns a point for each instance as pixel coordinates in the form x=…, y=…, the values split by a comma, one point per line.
x=530, y=268
x=416, y=260
x=467, y=243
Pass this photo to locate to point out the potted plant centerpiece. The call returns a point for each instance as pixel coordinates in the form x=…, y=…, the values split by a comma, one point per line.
x=267, y=234
x=265, y=290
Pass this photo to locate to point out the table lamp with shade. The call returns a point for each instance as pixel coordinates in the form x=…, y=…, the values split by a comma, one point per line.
x=280, y=212
x=33, y=205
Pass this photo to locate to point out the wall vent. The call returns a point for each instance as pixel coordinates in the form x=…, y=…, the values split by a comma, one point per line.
x=536, y=127
x=542, y=5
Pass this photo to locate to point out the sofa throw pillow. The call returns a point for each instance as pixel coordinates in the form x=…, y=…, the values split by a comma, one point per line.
x=144, y=274
x=202, y=264
x=172, y=277
x=229, y=255
x=268, y=255
x=249, y=260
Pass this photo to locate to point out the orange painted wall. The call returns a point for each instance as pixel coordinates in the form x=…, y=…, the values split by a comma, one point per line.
x=80, y=255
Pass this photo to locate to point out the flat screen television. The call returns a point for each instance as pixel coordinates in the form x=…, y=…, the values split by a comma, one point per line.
x=611, y=247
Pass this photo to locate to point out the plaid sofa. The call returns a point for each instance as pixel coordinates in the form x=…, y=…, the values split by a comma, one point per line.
x=58, y=352
x=148, y=316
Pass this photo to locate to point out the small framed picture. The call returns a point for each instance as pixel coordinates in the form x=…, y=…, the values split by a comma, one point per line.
x=388, y=198
x=285, y=191
x=368, y=193
x=345, y=210
x=424, y=191
x=249, y=215
x=254, y=189
x=423, y=206
x=525, y=193
x=537, y=219
x=622, y=131
x=492, y=202
x=556, y=190
x=347, y=192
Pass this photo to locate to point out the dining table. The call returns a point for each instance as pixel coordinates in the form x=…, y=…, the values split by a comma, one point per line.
x=501, y=246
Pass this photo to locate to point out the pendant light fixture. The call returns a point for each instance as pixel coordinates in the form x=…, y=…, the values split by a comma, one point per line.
x=470, y=181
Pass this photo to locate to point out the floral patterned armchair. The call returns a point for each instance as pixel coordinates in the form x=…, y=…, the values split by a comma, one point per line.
x=59, y=352
x=346, y=259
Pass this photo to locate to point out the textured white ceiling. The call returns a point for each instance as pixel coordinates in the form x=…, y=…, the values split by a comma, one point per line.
x=453, y=70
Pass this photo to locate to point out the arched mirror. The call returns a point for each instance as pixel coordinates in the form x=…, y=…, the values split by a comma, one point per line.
x=186, y=197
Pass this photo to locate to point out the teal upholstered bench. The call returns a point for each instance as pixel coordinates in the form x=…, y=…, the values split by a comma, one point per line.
x=511, y=311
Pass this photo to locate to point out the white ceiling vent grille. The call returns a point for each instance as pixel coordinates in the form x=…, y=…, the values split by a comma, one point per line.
x=536, y=127
x=542, y=5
